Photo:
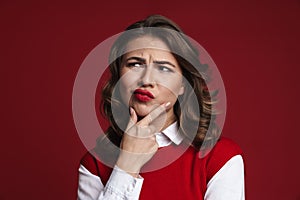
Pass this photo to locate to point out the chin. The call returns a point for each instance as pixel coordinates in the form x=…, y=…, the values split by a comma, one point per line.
x=142, y=113
x=142, y=110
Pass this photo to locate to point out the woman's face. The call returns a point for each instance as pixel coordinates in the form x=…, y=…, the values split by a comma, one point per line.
x=150, y=76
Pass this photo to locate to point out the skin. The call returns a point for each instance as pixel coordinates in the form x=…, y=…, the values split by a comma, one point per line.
x=153, y=69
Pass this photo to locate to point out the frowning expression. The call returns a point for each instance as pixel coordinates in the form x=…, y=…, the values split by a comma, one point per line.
x=150, y=76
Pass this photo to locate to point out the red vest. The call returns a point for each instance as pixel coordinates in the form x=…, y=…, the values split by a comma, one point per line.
x=185, y=178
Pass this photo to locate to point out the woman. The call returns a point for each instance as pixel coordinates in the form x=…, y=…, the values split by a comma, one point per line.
x=162, y=142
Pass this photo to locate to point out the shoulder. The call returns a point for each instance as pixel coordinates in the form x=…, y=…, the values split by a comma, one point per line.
x=223, y=151
x=226, y=147
x=90, y=162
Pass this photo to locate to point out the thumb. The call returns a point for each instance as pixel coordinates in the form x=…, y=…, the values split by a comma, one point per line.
x=133, y=118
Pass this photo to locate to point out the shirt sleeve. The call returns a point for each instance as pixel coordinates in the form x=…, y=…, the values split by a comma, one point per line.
x=228, y=182
x=120, y=185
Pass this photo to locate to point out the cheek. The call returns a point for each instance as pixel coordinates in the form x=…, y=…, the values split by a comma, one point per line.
x=124, y=91
x=127, y=84
x=174, y=86
x=128, y=78
x=169, y=94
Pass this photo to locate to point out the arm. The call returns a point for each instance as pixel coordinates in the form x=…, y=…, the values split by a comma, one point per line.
x=138, y=145
x=228, y=182
x=119, y=186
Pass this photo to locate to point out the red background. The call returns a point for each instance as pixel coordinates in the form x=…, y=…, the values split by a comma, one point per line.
x=43, y=43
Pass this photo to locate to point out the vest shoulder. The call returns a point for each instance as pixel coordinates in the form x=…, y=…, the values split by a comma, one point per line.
x=89, y=161
x=220, y=154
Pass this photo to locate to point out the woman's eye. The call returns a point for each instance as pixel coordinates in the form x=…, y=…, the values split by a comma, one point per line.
x=134, y=64
x=164, y=69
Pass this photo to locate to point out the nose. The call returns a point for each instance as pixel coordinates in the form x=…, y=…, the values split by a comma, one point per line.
x=147, y=77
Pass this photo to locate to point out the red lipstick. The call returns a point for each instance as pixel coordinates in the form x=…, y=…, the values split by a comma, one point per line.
x=143, y=95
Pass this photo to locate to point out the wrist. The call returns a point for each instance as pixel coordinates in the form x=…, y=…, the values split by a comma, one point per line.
x=133, y=173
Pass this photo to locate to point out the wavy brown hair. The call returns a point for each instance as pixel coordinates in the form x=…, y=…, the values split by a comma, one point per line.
x=193, y=109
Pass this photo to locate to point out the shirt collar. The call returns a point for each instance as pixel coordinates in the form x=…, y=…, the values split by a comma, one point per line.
x=173, y=134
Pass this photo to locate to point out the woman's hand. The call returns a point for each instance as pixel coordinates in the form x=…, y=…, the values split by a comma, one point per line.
x=138, y=144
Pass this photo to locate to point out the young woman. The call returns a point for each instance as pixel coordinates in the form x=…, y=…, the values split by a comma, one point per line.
x=163, y=142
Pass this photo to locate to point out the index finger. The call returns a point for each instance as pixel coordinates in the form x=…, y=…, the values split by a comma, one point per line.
x=154, y=114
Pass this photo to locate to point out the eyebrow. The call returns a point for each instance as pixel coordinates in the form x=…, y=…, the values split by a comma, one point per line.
x=137, y=58
x=156, y=62
x=164, y=63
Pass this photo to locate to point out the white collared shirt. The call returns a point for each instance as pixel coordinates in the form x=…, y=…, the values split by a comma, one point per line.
x=227, y=183
x=169, y=135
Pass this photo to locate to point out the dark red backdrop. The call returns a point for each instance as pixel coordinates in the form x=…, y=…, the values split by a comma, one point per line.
x=254, y=44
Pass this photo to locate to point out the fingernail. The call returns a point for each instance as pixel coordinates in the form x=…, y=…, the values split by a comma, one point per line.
x=167, y=104
x=131, y=111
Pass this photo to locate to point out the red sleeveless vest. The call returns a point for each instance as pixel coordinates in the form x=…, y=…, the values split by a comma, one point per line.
x=185, y=178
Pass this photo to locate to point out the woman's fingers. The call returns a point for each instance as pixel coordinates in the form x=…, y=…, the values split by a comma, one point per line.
x=153, y=114
x=145, y=131
x=139, y=142
x=144, y=128
x=132, y=119
x=133, y=115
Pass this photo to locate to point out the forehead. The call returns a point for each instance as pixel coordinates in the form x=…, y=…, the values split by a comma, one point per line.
x=146, y=42
x=148, y=46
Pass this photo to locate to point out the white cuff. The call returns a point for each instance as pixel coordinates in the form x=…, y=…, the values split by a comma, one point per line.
x=123, y=184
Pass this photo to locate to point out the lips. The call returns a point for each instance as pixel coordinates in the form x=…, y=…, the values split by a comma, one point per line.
x=143, y=95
